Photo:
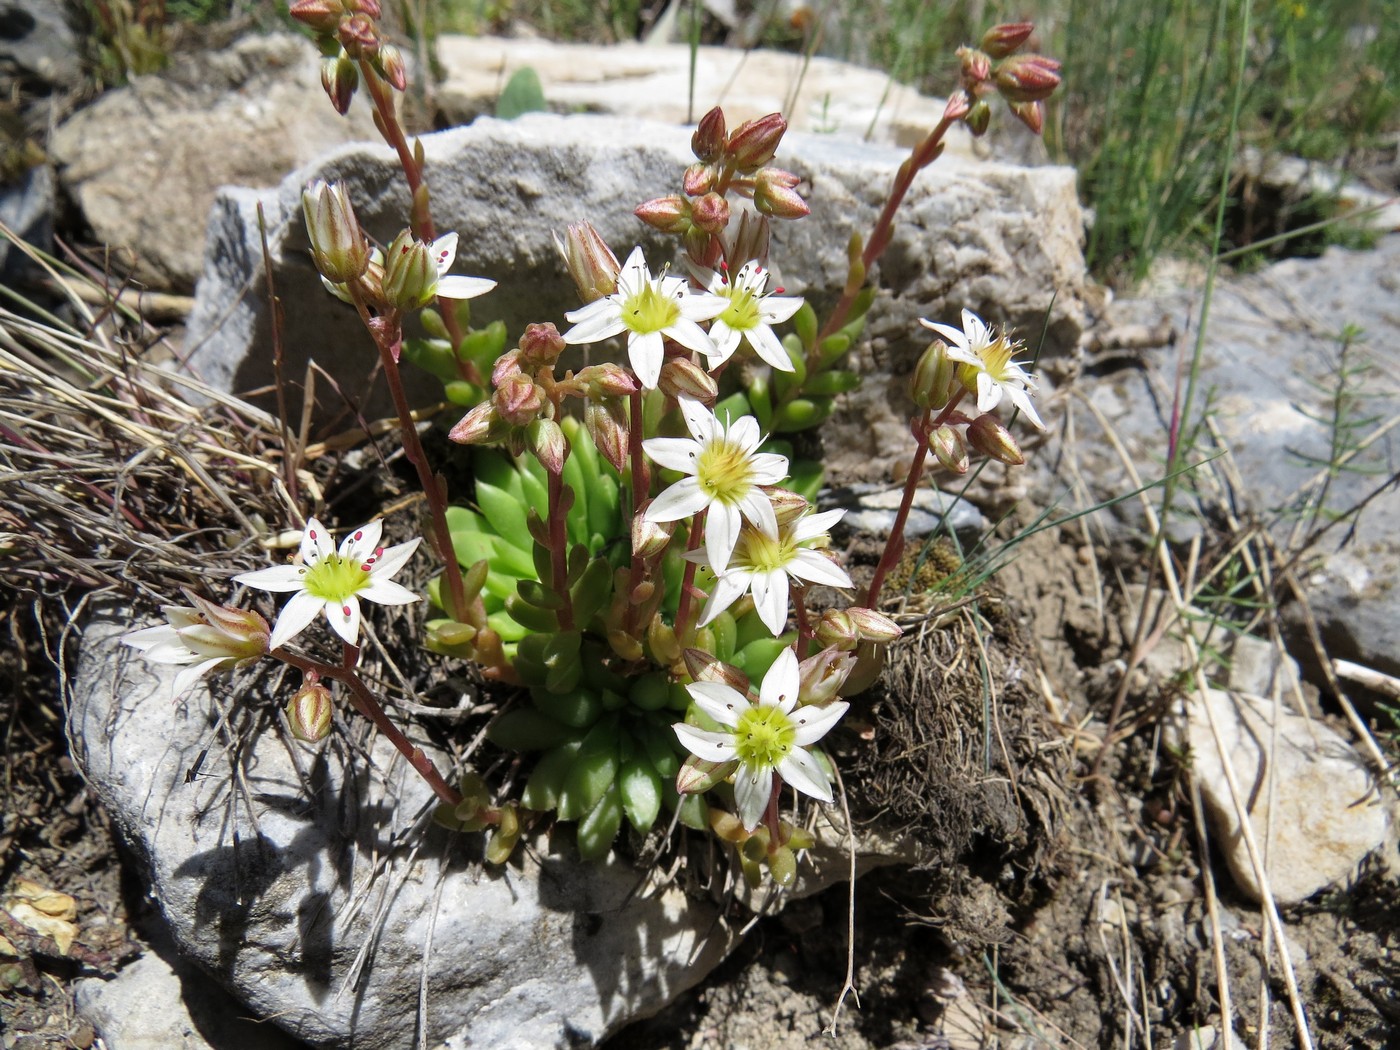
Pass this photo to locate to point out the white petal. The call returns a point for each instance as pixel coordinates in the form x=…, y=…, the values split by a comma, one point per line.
x=691, y=336
x=744, y=432
x=604, y=307
x=952, y=335
x=186, y=679
x=767, y=468
x=770, y=348
x=770, y=599
x=711, y=747
x=816, y=567
x=316, y=542
x=810, y=526
x=680, y=454
x=753, y=786
x=294, y=618
x=344, y=618
x=726, y=341
x=758, y=508
x=782, y=682
x=778, y=308
x=360, y=543
x=701, y=306
x=721, y=702
x=149, y=638
x=699, y=420
x=444, y=250
x=1021, y=401
x=801, y=771
x=387, y=592
x=728, y=589
x=393, y=559
x=594, y=330
x=647, y=352
x=813, y=722
x=456, y=286
x=988, y=392
x=721, y=534
x=681, y=500
x=277, y=578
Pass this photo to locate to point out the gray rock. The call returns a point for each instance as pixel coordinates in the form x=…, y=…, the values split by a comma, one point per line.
x=27, y=209
x=872, y=508
x=143, y=162
x=998, y=239
x=1309, y=796
x=38, y=44
x=312, y=892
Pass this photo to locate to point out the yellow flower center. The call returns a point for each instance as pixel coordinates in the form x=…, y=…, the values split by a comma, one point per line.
x=336, y=579
x=764, y=736
x=723, y=471
x=760, y=553
x=647, y=310
x=742, y=312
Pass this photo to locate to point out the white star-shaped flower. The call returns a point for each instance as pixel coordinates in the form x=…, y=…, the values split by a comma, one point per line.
x=762, y=564
x=451, y=285
x=726, y=474
x=650, y=310
x=750, y=315
x=771, y=736
x=333, y=582
x=990, y=369
x=202, y=639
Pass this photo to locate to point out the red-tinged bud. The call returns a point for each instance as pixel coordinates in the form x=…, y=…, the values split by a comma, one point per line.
x=518, y=400
x=755, y=142
x=710, y=213
x=391, y=66
x=958, y=106
x=681, y=375
x=708, y=141
x=749, y=241
x=340, y=77
x=1027, y=78
x=949, y=449
x=368, y=8
x=359, y=36
x=548, y=443
x=608, y=427
x=873, y=626
x=507, y=365
x=976, y=66
x=338, y=248
x=605, y=380
x=989, y=437
x=309, y=712
x=1031, y=114
x=589, y=260
x=934, y=376
x=482, y=425
x=775, y=194
x=321, y=15
x=821, y=677
x=541, y=345
x=978, y=118
x=650, y=538
x=667, y=214
x=788, y=506
x=704, y=667
x=699, y=179
x=410, y=273
x=697, y=775
x=1001, y=40
x=836, y=630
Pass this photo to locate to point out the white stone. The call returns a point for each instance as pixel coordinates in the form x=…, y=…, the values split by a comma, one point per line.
x=1325, y=816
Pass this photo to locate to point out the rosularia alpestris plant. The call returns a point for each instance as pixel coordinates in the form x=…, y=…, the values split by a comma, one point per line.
x=637, y=549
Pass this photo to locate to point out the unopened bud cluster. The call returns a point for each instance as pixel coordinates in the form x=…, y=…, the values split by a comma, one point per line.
x=350, y=38
x=1024, y=80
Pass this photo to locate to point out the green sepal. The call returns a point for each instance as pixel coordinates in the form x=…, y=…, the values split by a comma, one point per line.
x=802, y=413
x=506, y=625
x=836, y=381
x=578, y=707
x=733, y=407
x=725, y=632
x=531, y=616
x=592, y=591
x=526, y=729
x=433, y=356
x=804, y=324
x=755, y=658
x=547, y=779
x=640, y=787
x=593, y=772
x=463, y=393
x=782, y=866
x=694, y=812
x=598, y=829
x=650, y=691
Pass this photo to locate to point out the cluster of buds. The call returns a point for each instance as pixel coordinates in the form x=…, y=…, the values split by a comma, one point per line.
x=520, y=411
x=1025, y=81
x=351, y=40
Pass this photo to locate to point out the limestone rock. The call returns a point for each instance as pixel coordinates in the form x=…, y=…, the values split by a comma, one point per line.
x=38, y=45
x=998, y=239
x=144, y=162
x=1311, y=798
x=312, y=892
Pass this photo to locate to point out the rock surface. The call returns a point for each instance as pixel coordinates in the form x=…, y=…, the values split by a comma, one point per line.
x=310, y=893
x=999, y=239
x=1309, y=795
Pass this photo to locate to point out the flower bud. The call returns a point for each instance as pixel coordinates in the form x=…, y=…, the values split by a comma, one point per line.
x=708, y=141
x=949, y=449
x=934, y=376
x=1031, y=114
x=681, y=375
x=650, y=538
x=321, y=15
x=368, y=8
x=518, y=400
x=836, y=630
x=340, y=77
x=989, y=437
x=410, y=273
x=750, y=241
x=589, y=260
x=309, y=712
x=667, y=214
x=605, y=381
x=1027, y=78
x=548, y=443
x=607, y=425
x=976, y=66
x=391, y=66
x=338, y=248
x=1001, y=40
x=710, y=213
x=541, y=345
x=699, y=179
x=873, y=626
x=481, y=426
x=788, y=506
x=359, y=36
x=755, y=142
x=822, y=676
x=774, y=194
x=507, y=365
x=978, y=117
x=958, y=106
